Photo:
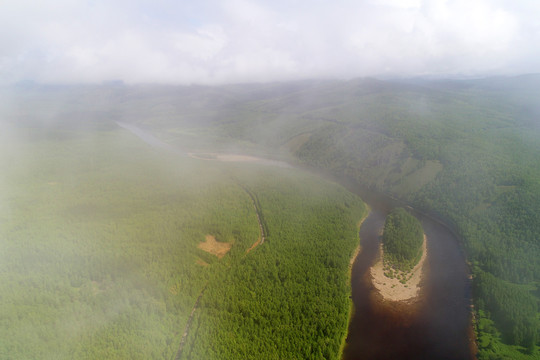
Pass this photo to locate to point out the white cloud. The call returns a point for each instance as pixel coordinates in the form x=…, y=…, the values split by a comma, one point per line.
x=204, y=44
x=239, y=40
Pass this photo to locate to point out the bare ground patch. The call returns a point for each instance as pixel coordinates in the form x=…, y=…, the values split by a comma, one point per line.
x=220, y=249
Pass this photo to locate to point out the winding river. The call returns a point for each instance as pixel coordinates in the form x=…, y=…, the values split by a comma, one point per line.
x=436, y=325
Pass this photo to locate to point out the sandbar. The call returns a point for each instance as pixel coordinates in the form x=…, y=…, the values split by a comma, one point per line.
x=393, y=289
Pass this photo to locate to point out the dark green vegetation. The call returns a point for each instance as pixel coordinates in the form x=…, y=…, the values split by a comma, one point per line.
x=512, y=310
x=402, y=240
x=99, y=256
x=463, y=151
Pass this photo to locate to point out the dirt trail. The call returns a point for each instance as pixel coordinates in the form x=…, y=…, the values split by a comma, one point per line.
x=262, y=231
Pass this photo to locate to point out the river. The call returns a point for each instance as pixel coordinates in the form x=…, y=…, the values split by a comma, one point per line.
x=437, y=325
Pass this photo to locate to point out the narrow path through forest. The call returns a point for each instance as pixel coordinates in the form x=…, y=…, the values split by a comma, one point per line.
x=260, y=218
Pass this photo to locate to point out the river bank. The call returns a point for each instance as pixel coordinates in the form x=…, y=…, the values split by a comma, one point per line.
x=433, y=325
x=351, y=263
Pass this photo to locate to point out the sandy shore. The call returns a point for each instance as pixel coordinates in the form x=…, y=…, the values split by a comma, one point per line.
x=392, y=289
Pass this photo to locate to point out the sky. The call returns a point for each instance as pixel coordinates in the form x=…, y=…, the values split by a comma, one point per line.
x=238, y=41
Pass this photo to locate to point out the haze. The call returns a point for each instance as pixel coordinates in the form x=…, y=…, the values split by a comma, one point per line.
x=215, y=42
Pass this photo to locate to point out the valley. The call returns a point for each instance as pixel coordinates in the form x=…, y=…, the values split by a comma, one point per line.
x=91, y=214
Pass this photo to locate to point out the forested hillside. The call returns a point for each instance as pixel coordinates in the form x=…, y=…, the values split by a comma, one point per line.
x=463, y=151
x=469, y=157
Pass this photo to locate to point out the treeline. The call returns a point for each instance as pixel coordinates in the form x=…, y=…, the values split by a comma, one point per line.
x=257, y=206
x=402, y=240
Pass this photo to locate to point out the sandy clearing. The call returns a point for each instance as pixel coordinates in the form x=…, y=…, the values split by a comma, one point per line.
x=237, y=158
x=392, y=289
x=224, y=157
x=214, y=247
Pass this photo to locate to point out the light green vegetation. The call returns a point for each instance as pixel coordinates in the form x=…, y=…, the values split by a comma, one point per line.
x=99, y=256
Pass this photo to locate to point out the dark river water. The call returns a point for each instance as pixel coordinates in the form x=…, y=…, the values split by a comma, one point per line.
x=436, y=325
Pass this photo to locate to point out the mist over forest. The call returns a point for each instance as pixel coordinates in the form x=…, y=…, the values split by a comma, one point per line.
x=210, y=179
x=108, y=192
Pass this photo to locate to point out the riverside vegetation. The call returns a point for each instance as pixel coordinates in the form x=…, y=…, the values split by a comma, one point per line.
x=100, y=257
x=466, y=152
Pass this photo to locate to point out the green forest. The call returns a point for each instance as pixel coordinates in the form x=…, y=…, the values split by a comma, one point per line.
x=467, y=155
x=101, y=258
x=402, y=240
x=464, y=152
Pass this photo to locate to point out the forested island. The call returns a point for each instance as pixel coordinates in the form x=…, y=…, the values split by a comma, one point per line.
x=402, y=240
x=398, y=272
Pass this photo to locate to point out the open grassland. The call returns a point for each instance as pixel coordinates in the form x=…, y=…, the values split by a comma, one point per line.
x=100, y=256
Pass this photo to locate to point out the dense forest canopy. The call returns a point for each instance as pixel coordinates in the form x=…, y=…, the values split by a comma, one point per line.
x=101, y=255
x=463, y=151
x=402, y=240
